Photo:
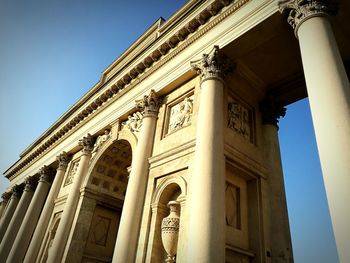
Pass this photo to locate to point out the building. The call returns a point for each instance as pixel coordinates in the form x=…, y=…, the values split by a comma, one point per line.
x=202, y=139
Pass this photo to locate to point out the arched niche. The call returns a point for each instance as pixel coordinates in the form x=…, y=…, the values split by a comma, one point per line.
x=171, y=188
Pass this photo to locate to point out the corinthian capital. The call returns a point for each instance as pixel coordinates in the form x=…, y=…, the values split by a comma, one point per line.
x=87, y=143
x=213, y=65
x=17, y=190
x=149, y=104
x=63, y=160
x=46, y=174
x=5, y=197
x=271, y=111
x=30, y=183
x=301, y=10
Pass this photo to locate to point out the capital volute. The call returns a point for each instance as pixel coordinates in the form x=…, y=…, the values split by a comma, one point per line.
x=149, y=104
x=46, y=174
x=271, y=111
x=301, y=10
x=5, y=197
x=63, y=160
x=213, y=65
x=17, y=190
x=30, y=183
x=87, y=143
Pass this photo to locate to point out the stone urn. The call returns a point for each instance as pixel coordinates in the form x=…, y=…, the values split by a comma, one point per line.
x=170, y=230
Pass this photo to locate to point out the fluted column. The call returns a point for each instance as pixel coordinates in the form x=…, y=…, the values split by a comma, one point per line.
x=5, y=198
x=17, y=191
x=206, y=229
x=11, y=232
x=329, y=96
x=30, y=220
x=130, y=221
x=279, y=232
x=43, y=221
x=63, y=230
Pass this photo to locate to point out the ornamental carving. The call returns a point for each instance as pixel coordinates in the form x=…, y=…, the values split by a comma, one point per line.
x=17, y=190
x=213, y=65
x=30, y=183
x=240, y=119
x=181, y=114
x=5, y=197
x=271, y=111
x=73, y=170
x=149, y=104
x=63, y=160
x=134, y=122
x=101, y=140
x=301, y=10
x=46, y=174
x=87, y=143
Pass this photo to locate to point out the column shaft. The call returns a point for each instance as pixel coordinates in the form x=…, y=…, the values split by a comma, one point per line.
x=64, y=227
x=206, y=229
x=17, y=218
x=128, y=232
x=329, y=96
x=30, y=220
x=11, y=207
x=281, y=245
x=43, y=222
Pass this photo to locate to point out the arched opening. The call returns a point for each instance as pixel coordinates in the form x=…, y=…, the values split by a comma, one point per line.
x=107, y=185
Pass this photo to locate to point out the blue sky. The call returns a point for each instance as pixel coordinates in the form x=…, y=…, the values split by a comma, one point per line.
x=52, y=52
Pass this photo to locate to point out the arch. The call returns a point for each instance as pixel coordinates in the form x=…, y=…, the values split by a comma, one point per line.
x=160, y=193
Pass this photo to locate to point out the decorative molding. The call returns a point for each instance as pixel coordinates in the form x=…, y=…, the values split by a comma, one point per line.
x=149, y=104
x=46, y=174
x=87, y=143
x=134, y=122
x=213, y=65
x=63, y=160
x=30, y=183
x=180, y=39
x=271, y=111
x=302, y=10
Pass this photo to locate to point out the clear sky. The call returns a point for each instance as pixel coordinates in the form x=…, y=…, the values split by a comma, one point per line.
x=53, y=51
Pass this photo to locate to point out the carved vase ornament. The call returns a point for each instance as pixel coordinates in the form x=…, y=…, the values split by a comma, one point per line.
x=170, y=230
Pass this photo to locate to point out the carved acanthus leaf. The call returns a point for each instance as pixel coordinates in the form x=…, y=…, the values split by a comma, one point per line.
x=63, y=160
x=213, y=65
x=149, y=104
x=301, y=10
x=46, y=174
x=87, y=143
x=6, y=196
x=30, y=183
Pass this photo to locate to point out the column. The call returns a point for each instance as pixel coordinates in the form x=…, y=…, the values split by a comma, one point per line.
x=329, y=95
x=38, y=236
x=63, y=230
x=14, y=225
x=5, y=198
x=206, y=229
x=17, y=191
x=278, y=222
x=130, y=221
x=30, y=220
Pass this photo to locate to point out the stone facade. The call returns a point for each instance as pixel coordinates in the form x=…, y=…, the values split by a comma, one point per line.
x=203, y=141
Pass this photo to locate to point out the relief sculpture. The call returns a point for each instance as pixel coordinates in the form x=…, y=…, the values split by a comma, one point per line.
x=181, y=114
x=239, y=120
x=134, y=122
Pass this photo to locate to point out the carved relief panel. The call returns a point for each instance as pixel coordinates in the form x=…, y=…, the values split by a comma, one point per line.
x=179, y=113
x=240, y=119
x=71, y=172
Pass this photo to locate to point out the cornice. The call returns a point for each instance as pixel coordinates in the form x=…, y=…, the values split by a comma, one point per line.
x=208, y=18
